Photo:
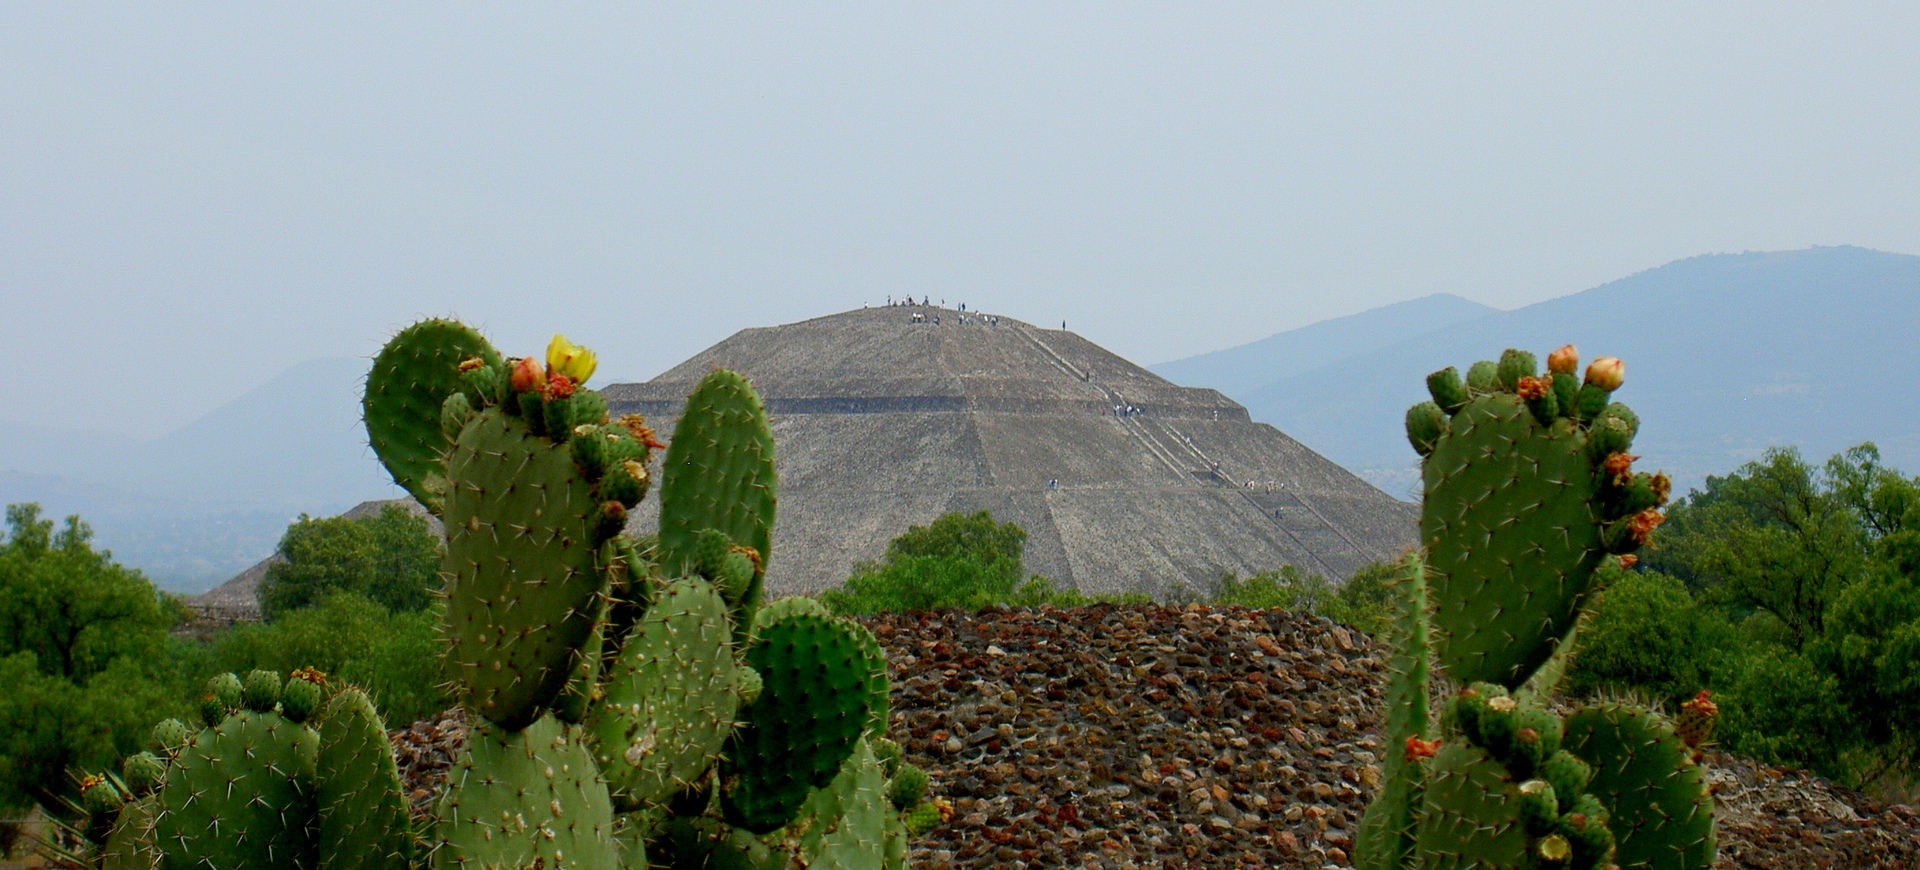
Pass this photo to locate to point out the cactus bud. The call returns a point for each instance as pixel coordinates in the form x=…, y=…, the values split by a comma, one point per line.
x=225, y=688
x=1539, y=807
x=1463, y=713
x=1564, y=361
x=100, y=796
x=1447, y=389
x=1696, y=722
x=1483, y=377
x=1568, y=775
x=455, y=413
x=612, y=521
x=528, y=376
x=1418, y=749
x=1514, y=365
x=559, y=387
x=142, y=772
x=212, y=709
x=1425, y=423
x=1553, y=850
x=906, y=788
x=1607, y=373
x=481, y=383
x=262, y=691
x=1566, y=391
x=302, y=694
x=570, y=360
x=751, y=684
x=1585, y=827
x=1540, y=398
x=169, y=736
x=1609, y=435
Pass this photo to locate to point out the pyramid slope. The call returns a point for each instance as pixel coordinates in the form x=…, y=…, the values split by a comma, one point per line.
x=882, y=423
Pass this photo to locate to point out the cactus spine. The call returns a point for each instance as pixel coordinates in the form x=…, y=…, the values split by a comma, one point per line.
x=1528, y=489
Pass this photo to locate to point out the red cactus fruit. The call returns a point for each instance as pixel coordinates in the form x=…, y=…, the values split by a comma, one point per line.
x=528, y=375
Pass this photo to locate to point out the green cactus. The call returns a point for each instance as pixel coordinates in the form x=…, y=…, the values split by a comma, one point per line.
x=671, y=697
x=240, y=794
x=600, y=670
x=361, y=812
x=1529, y=488
x=410, y=382
x=1643, y=773
x=845, y=825
x=516, y=797
x=824, y=686
x=718, y=474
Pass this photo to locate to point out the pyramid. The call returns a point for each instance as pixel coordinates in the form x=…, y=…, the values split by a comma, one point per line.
x=889, y=417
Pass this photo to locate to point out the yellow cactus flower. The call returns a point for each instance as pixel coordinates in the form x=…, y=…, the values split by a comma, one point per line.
x=566, y=358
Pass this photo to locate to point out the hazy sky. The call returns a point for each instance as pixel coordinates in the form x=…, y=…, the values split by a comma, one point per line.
x=194, y=197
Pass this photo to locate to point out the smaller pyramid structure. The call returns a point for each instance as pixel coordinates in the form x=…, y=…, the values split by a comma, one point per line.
x=885, y=418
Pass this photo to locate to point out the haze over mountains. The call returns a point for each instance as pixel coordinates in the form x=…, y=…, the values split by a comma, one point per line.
x=200, y=504
x=1727, y=355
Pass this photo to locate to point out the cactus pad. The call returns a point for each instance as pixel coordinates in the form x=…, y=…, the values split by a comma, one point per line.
x=1470, y=812
x=529, y=798
x=718, y=474
x=1656, y=796
x=1512, y=535
x=671, y=696
x=844, y=826
x=362, y=814
x=239, y=794
x=411, y=378
x=824, y=684
x=521, y=552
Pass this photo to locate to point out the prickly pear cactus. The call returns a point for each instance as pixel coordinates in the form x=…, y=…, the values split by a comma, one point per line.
x=824, y=686
x=718, y=475
x=240, y=794
x=671, y=698
x=1529, y=489
x=362, y=814
x=523, y=799
x=731, y=735
x=411, y=379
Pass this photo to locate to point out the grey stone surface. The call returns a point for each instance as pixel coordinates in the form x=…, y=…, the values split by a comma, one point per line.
x=881, y=422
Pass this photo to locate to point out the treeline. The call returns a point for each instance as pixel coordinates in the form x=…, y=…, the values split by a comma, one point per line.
x=89, y=659
x=1789, y=592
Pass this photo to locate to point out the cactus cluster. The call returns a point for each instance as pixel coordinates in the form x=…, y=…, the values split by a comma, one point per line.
x=1529, y=488
x=632, y=704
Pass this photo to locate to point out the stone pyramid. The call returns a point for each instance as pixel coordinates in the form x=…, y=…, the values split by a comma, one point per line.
x=889, y=417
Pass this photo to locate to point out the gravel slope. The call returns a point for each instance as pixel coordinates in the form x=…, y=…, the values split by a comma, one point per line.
x=1157, y=737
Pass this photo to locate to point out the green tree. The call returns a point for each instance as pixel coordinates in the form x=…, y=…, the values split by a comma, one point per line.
x=1776, y=536
x=1647, y=633
x=391, y=559
x=82, y=657
x=996, y=546
x=395, y=656
x=960, y=560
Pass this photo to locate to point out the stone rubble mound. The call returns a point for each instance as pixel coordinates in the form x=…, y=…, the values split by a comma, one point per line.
x=1190, y=737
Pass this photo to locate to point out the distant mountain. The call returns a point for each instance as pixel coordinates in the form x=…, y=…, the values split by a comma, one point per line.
x=1239, y=371
x=1726, y=354
x=202, y=503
